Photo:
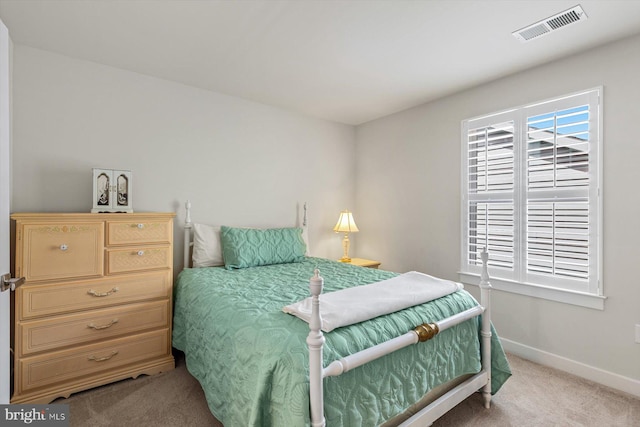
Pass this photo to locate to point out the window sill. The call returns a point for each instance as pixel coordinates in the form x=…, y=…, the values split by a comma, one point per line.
x=536, y=291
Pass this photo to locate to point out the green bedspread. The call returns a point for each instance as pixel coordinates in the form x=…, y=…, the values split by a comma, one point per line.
x=251, y=358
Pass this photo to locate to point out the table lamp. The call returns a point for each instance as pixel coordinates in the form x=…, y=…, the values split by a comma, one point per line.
x=346, y=225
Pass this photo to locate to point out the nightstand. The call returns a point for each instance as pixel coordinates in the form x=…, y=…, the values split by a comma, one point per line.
x=361, y=262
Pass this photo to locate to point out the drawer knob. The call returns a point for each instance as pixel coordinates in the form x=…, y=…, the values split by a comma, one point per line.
x=140, y=225
x=108, y=325
x=64, y=247
x=140, y=253
x=102, y=359
x=102, y=294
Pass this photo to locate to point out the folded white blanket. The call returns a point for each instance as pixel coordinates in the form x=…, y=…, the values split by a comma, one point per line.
x=360, y=303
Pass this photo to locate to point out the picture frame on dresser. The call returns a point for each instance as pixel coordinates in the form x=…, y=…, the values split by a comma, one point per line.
x=112, y=191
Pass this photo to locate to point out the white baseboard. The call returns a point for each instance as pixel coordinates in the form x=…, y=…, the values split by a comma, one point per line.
x=600, y=376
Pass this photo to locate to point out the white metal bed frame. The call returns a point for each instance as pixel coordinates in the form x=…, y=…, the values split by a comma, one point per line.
x=315, y=340
x=424, y=332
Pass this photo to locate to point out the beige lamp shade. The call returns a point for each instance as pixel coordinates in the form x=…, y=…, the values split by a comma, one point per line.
x=346, y=224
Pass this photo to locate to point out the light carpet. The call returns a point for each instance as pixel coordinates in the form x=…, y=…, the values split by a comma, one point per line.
x=534, y=396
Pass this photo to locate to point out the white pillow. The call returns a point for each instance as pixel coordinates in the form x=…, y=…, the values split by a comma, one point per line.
x=207, y=250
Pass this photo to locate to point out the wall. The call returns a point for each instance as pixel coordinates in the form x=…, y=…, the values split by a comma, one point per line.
x=239, y=162
x=408, y=205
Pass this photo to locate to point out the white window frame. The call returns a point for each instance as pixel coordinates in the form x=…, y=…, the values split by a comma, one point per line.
x=589, y=294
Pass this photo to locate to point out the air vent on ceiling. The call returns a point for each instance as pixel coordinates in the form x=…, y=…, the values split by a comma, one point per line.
x=550, y=24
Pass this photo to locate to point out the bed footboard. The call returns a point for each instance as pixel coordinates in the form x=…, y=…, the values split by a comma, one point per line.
x=424, y=332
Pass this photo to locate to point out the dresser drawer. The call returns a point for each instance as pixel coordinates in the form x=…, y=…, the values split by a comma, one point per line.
x=136, y=232
x=76, y=363
x=61, y=250
x=138, y=259
x=59, y=298
x=82, y=328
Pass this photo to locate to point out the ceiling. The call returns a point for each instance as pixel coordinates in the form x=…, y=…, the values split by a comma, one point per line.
x=348, y=61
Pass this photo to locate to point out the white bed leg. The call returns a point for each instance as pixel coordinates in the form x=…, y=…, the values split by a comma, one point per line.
x=315, y=341
x=485, y=301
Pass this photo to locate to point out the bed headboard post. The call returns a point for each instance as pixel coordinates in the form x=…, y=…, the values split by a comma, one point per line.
x=315, y=341
x=304, y=217
x=305, y=226
x=187, y=234
x=485, y=301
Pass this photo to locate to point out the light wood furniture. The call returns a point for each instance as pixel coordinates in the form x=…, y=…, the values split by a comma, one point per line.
x=364, y=262
x=96, y=304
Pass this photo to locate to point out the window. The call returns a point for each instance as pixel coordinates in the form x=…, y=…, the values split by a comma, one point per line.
x=531, y=197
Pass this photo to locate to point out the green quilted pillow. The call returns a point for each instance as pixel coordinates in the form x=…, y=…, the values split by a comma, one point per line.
x=250, y=247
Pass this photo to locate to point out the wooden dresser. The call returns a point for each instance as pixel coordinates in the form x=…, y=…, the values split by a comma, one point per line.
x=96, y=304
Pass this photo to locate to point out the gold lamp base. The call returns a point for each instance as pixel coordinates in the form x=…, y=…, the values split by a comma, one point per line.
x=345, y=246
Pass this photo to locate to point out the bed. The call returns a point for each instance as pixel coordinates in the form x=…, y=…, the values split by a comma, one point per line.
x=256, y=363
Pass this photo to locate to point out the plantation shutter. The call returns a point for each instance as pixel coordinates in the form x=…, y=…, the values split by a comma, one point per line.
x=531, y=193
x=561, y=186
x=489, y=206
